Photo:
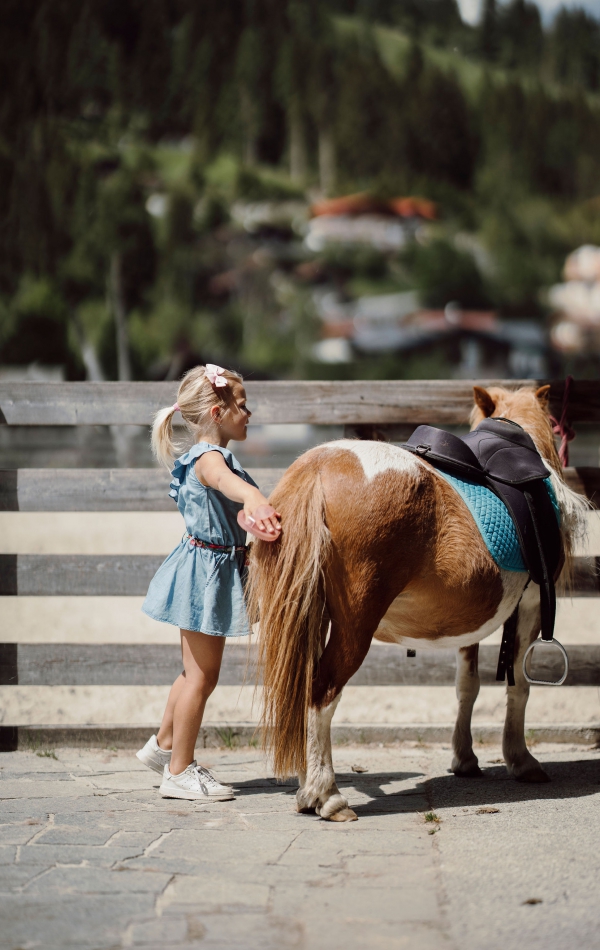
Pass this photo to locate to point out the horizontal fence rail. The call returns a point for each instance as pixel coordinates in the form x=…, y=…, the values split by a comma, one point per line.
x=66, y=575
x=147, y=489
x=50, y=664
x=100, y=489
x=118, y=575
x=443, y=402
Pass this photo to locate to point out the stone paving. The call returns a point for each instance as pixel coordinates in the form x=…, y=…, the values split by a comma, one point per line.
x=91, y=857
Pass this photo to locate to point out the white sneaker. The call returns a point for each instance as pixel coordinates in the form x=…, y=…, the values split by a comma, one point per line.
x=213, y=787
x=194, y=784
x=153, y=756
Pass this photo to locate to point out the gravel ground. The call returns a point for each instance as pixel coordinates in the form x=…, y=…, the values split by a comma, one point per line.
x=91, y=857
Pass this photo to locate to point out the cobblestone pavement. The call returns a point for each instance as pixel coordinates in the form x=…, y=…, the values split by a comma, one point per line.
x=91, y=857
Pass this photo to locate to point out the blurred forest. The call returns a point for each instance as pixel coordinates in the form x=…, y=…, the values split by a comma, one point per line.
x=158, y=158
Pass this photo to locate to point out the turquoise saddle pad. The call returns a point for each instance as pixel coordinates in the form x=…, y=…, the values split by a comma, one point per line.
x=493, y=520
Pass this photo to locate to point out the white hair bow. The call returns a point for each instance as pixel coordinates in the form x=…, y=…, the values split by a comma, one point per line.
x=214, y=375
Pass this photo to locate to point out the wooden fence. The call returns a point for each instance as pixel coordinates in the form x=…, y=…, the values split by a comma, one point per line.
x=379, y=410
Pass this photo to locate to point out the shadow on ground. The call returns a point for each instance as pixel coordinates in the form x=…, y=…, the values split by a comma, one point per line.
x=568, y=780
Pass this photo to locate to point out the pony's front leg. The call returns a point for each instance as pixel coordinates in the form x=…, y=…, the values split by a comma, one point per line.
x=465, y=763
x=318, y=791
x=519, y=760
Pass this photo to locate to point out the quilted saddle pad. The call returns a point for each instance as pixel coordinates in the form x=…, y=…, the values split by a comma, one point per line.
x=493, y=520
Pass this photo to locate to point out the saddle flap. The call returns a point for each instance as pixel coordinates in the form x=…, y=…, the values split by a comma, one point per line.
x=519, y=509
x=445, y=449
x=506, y=452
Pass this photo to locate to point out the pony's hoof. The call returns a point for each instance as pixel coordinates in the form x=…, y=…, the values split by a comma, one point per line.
x=533, y=775
x=468, y=771
x=467, y=767
x=346, y=814
x=306, y=809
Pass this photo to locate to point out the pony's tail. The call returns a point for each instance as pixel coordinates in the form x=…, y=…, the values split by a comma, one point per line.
x=286, y=594
x=162, y=436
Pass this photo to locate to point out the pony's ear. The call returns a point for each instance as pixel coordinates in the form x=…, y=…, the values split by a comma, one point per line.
x=543, y=394
x=484, y=400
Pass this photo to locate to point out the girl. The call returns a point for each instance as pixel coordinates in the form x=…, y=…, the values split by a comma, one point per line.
x=199, y=588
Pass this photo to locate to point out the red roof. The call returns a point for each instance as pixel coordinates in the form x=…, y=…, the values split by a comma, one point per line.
x=408, y=207
x=477, y=320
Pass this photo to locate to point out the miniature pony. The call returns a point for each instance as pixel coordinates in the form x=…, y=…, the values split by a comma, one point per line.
x=376, y=544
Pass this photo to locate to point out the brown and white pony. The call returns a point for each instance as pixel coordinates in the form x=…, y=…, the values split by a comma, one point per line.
x=376, y=544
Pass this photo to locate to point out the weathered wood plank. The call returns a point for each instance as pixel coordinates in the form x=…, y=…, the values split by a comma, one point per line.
x=149, y=664
x=72, y=404
x=98, y=489
x=56, y=575
x=388, y=665
x=321, y=403
x=112, y=575
x=146, y=489
x=158, y=665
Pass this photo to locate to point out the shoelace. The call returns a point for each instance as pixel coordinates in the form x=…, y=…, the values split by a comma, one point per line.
x=208, y=777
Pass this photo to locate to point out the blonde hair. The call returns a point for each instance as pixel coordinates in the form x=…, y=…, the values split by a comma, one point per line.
x=195, y=398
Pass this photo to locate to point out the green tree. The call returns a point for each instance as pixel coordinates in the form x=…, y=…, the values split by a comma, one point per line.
x=489, y=34
x=442, y=144
x=521, y=35
x=574, y=48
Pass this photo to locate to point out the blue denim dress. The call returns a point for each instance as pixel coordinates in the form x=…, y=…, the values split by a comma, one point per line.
x=198, y=588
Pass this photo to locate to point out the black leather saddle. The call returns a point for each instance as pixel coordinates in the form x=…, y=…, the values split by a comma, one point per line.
x=501, y=455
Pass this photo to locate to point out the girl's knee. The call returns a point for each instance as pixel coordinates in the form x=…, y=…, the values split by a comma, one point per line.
x=210, y=681
x=203, y=682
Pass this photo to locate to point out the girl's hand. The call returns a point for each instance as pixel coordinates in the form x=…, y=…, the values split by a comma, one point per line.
x=263, y=517
x=260, y=520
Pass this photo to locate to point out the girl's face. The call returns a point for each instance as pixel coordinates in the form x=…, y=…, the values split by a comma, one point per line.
x=235, y=420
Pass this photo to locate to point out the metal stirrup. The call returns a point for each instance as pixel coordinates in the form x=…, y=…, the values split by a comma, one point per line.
x=548, y=643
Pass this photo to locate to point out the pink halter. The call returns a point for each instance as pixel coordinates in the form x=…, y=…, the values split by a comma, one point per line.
x=562, y=428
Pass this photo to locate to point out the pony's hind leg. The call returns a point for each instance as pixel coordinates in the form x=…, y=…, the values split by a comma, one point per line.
x=519, y=760
x=319, y=791
x=464, y=762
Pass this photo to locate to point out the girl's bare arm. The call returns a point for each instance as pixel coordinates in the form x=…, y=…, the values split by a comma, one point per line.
x=212, y=471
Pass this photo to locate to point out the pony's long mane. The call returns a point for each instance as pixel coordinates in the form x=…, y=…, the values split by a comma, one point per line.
x=530, y=409
x=573, y=509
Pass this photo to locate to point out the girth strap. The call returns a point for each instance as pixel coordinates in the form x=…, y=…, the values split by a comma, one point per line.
x=506, y=657
x=546, y=581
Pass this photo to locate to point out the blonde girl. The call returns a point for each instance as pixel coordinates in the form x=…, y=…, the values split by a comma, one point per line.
x=199, y=587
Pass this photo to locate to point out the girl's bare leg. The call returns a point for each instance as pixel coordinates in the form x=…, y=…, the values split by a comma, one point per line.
x=202, y=655
x=165, y=733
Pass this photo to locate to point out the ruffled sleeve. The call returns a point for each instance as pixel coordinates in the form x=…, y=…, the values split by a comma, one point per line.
x=179, y=469
x=177, y=473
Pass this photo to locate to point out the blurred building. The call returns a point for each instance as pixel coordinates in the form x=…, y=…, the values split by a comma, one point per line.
x=385, y=224
x=473, y=342
x=575, y=322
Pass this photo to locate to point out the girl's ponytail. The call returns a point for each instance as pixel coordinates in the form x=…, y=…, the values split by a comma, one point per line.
x=162, y=436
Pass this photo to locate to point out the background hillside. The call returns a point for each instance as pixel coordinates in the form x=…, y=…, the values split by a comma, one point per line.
x=159, y=158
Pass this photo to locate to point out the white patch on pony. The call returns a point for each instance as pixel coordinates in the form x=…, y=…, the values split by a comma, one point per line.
x=377, y=457
x=513, y=585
